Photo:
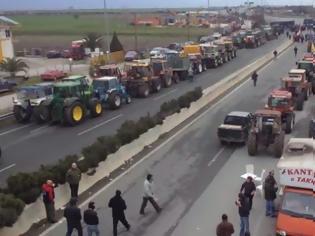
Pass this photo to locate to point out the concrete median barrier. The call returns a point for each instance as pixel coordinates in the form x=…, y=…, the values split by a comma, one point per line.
x=35, y=211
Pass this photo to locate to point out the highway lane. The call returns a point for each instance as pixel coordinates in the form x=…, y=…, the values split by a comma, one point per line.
x=28, y=146
x=194, y=175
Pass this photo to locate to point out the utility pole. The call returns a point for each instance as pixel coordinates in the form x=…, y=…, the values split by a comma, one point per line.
x=106, y=32
x=136, y=32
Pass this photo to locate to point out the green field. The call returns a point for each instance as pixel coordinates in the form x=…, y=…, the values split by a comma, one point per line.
x=69, y=25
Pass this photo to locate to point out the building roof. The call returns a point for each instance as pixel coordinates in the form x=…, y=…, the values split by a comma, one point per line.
x=239, y=113
x=7, y=21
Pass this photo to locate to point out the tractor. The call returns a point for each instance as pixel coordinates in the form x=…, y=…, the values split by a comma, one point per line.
x=267, y=131
x=308, y=66
x=108, y=70
x=110, y=91
x=281, y=100
x=28, y=99
x=71, y=102
x=230, y=48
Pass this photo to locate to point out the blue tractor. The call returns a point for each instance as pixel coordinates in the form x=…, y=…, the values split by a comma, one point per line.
x=110, y=91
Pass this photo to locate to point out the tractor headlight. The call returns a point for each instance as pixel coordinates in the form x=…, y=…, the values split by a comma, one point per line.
x=281, y=233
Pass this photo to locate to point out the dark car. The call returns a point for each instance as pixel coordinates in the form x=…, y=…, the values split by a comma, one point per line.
x=6, y=85
x=53, y=54
x=235, y=127
x=132, y=55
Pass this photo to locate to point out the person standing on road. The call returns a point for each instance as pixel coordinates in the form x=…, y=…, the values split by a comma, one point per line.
x=48, y=193
x=243, y=211
x=295, y=51
x=91, y=220
x=73, y=177
x=148, y=195
x=248, y=189
x=225, y=228
x=73, y=216
x=270, y=191
x=118, y=205
x=254, y=78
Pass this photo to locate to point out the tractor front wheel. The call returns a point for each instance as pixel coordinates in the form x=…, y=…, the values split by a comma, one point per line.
x=21, y=114
x=289, y=124
x=167, y=81
x=74, y=114
x=300, y=102
x=96, y=108
x=278, y=145
x=252, y=145
x=42, y=113
x=114, y=101
x=156, y=85
x=143, y=90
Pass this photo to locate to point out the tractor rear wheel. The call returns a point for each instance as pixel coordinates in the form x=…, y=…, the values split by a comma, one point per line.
x=21, y=114
x=300, y=102
x=42, y=113
x=74, y=114
x=167, y=81
x=289, y=124
x=96, y=108
x=252, y=145
x=278, y=144
x=114, y=100
x=143, y=90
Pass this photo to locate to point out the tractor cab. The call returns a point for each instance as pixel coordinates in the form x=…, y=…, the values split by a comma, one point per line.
x=109, y=70
x=309, y=68
x=280, y=100
x=138, y=70
x=82, y=79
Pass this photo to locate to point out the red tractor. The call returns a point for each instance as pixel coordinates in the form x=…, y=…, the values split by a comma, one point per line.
x=282, y=101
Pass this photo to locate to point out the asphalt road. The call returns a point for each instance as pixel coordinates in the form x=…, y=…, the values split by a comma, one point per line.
x=197, y=179
x=26, y=147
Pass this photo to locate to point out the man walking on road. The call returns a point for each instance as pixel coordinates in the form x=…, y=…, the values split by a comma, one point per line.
x=148, y=195
x=225, y=228
x=243, y=211
x=248, y=189
x=73, y=177
x=73, y=216
x=295, y=51
x=118, y=205
x=254, y=78
x=270, y=190
x=91, y=220
x=49, y=200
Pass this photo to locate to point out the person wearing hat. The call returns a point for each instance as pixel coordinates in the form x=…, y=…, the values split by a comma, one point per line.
x=248, y=189
x=91, y=219
x=73, y=216
x=270, y=192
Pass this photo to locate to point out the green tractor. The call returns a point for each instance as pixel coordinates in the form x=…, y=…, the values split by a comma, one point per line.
x=71, y=103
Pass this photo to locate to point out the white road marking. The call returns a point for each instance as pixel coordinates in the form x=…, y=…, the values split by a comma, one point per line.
x=8, y=167
x=216, y=156
x=40, y=128
x=145, y=157
x=13, y=130
x=164, y=95
x=100, y=124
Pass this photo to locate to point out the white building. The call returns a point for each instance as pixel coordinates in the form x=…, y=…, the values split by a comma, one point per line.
x=6, y=44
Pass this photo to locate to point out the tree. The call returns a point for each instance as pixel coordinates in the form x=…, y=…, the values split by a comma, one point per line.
x=115, y=44
x=92, y=41
x=13, y=66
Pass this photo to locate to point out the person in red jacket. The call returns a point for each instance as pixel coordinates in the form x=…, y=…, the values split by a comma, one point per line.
x=49, y=200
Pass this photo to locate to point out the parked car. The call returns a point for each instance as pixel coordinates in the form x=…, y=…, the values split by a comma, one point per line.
x=132, y=55
x=53, y=75
x=6, y=85
x=53, y=54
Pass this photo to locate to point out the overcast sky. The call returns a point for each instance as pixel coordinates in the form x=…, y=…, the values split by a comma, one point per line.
x=88, y=4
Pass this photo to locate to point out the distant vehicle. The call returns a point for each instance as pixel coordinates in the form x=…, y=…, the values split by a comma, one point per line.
x=6, y=85
x=132, y=55
x=206, y=39
x=77, y=51
x=158, y=52
x=53, y=75
x=53, y=54
x=175, y=46
x=235, y=127
x=66, y=53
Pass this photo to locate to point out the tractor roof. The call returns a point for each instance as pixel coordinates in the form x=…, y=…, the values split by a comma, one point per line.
x=239, y=113
x=306, y=61
x=138, y=63
x=281, y=93
x=265, y=112
x=45, y=84
x=67, y=84
x=106, y=78
x=297, y=71
x=73, y=77
x=296, y=78
x=29, y=87
x=111, y=66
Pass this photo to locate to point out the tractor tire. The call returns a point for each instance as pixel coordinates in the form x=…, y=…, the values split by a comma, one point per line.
x=313, y=86
x=42, y=114
x=114, y=101
x=96, y=108
x=289, y=124
x=183, y=75
x=143, y=90
x=306, y=94
x=128, y=99
x=278, y=145
x=300, y=102
x=215, y=64
x=156, y=85
x=252, y=145
x=167, y=82
x=310, y=130
x=176, y=78
x=200, y=69
x=74, y=114
x=21, y=114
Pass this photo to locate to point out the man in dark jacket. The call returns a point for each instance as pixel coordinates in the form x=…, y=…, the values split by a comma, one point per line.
x=225, y=228
x=73, y=215
x=73, y=177
x=91, y=220
x=270, y=190
x=248, y=189
x=254, y=78
x=243, y=210
x=118, y=206
x=49, y=200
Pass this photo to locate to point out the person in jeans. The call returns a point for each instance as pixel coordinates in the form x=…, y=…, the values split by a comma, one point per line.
x=248, y=189
x=73, y=177
x=148, y=195
x=243, y=211
x=91, y=219
x=73, y=216
x=225, y=228
x=270, y=192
